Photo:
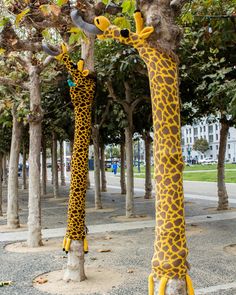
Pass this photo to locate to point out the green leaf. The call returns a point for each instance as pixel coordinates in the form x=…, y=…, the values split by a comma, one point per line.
x=61, y=2
x=122, y=22
x=4, y=21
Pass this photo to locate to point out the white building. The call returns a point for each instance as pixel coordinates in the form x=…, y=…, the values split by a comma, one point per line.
x=211, y=132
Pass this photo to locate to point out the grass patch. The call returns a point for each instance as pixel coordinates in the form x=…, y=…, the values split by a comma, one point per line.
x=230, y=176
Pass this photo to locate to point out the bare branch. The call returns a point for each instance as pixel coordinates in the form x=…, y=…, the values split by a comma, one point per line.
x=104, y=116
x=15, y=83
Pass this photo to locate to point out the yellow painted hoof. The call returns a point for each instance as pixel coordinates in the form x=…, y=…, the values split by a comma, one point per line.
x=189, y=285
x=85, y=245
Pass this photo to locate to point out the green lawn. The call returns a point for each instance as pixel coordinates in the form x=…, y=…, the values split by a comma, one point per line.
x=230, y=176
x=211, y=176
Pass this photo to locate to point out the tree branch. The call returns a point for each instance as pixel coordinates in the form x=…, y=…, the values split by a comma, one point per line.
x=113, y=95
x=10, y=82
x=104, y=116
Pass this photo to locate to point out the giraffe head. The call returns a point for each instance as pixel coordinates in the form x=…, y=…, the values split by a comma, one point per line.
x=104, y=29
x=60, y=55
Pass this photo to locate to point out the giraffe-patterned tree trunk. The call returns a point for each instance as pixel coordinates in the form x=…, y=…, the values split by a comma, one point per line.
x=170, y=250
x=82, y=91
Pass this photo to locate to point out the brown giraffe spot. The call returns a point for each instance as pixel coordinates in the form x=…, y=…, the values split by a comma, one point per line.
x=174, y=129
x=153, y=65
x=176, y=177
x=171, y=72
x=167, y=181
x=161, y=255
x=165, y=130
x=159, y=79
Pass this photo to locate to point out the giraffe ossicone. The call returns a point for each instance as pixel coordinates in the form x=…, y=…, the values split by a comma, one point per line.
x=169, y=259
x=82, y=92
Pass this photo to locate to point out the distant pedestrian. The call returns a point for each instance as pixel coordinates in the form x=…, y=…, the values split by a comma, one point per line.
x=114, y=168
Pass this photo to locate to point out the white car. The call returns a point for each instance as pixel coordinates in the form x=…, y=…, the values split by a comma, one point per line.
x=207, y=161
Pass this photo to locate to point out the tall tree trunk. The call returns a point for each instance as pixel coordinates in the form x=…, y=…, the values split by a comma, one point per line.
x=75, y=263
x=24, y=174
x=4, y=169
x=1, y=157
x=63, y=180
x=97, y=190
x=122, y=168
x=52, y=163
x=103, y=172
x=44, y=166
x=223, y=202
x=35, y=130
x=130, y=173
x=55, y=165
x=148, y=172
x=12, y=192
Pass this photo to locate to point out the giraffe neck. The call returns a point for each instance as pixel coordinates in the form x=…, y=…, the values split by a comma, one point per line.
x=169, y=259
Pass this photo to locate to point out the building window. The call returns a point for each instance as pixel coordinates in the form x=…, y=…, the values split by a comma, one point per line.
x=217, y=147
x=195, y=138
x=182, y=141
x=190, y=139
x=211, y=147
x=200, y=129
x=216, y=126
x=204, y=128
x=210, y=128
x=190, y=131
x=186, y=131
x=229, y=156
x=211, y=138
x=229, y=135
x=195, y=131
x=204, y=136
x=229, y=146
x=187, y=140
x=216, y=136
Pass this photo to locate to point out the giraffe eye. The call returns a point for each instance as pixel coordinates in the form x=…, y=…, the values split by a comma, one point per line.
x=124, y=33
x=97, y=20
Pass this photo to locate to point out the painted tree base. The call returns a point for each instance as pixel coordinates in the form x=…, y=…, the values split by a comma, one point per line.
x=173, y=287
x=75, y=264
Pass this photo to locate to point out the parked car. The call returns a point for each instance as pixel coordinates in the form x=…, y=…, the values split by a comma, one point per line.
x=207, y=161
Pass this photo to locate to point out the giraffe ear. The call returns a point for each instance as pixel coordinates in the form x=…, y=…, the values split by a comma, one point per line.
x=80, y=65
x=146, y=32
x=85, y=72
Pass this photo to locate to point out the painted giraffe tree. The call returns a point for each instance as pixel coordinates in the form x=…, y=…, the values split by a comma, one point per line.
x=82, y=91
x=169, y=264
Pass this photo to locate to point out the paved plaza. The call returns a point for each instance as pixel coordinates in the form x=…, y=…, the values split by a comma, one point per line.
x=211, y=236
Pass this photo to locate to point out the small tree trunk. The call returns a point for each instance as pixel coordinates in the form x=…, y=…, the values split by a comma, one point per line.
x=75, y=263
x=44, y=166
x=1, y=157
x=148, y=173
x=98, y=199
x=35, y=130
x=122, y=169
x=173, y=287
x=223, y=203
x=12, y=192
x=55, y=166
x=24, y=176
x=63, y=180
x=4, y=170
x=103, y=172
x=130, y=174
